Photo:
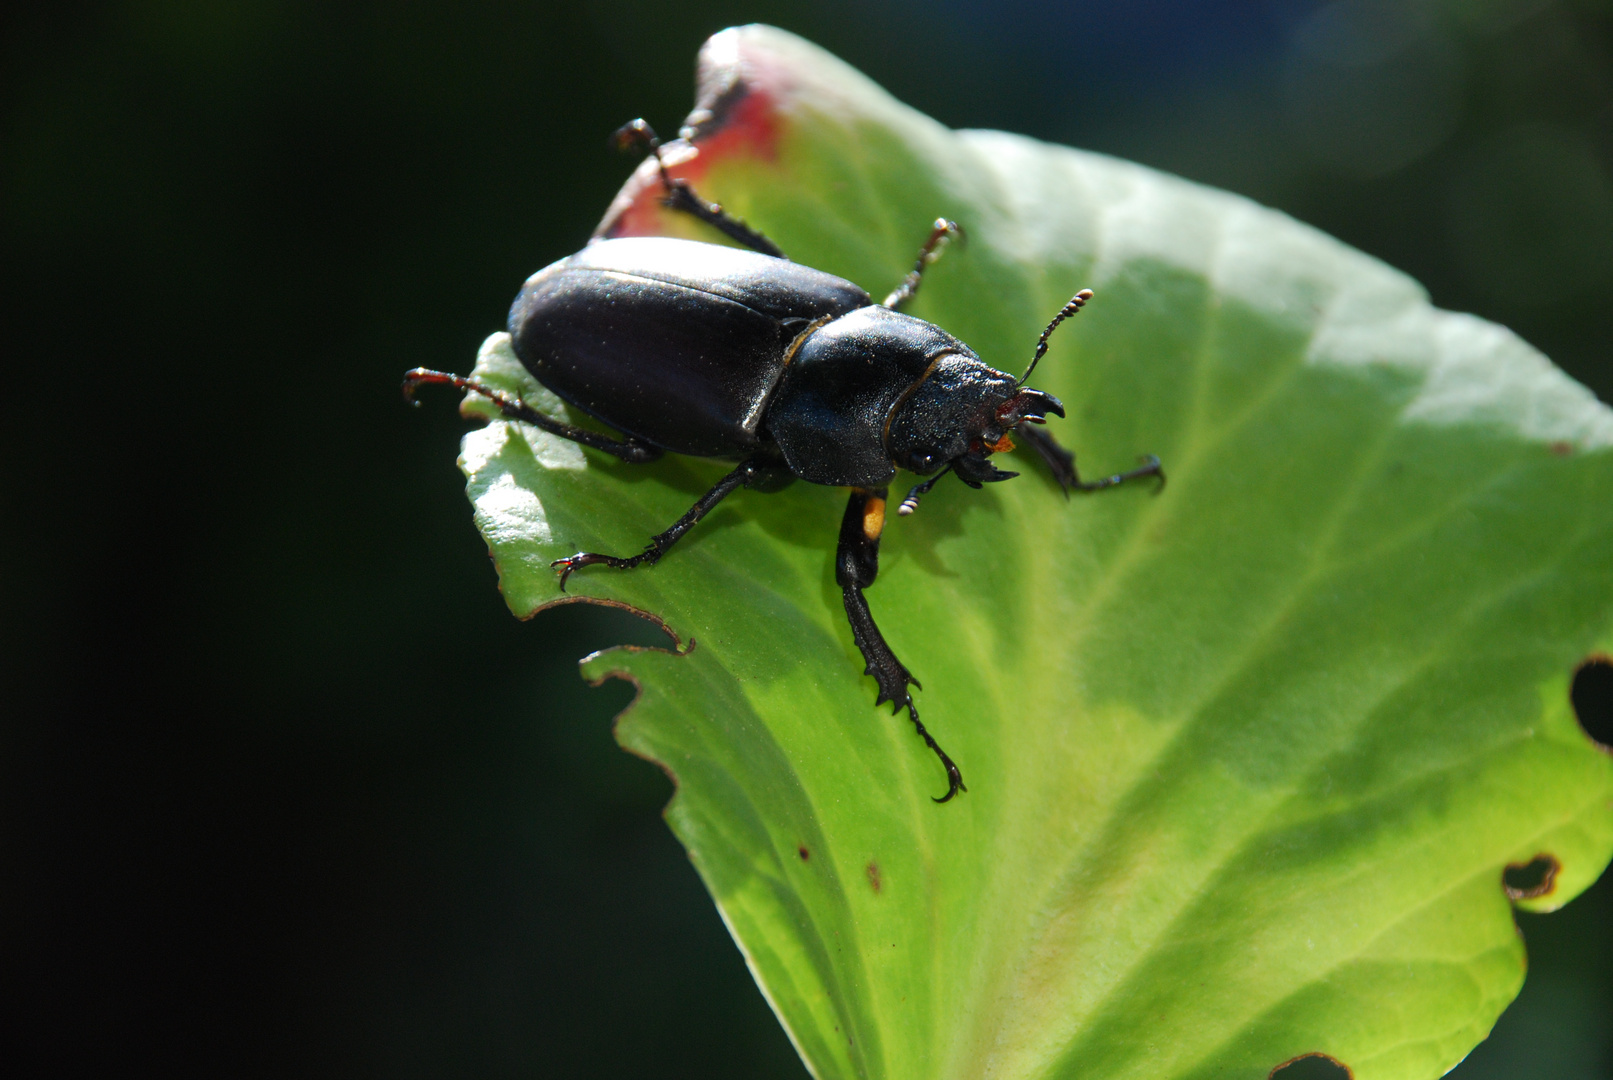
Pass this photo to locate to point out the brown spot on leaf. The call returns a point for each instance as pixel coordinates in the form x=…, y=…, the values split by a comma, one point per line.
x=1561, y=448
x=1591, y=694
x=1312, y=1066
x=873, y=876
x=1537, y=877
x=803, y=852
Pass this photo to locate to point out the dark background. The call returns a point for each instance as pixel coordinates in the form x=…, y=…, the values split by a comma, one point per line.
x=284, y=790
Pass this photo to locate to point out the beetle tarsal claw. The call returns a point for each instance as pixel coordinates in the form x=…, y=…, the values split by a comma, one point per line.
x=572, y=563
x=566, y=567
x=954, y=777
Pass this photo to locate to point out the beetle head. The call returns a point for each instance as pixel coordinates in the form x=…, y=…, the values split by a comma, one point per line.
x=1032, y=405
x=958, y=414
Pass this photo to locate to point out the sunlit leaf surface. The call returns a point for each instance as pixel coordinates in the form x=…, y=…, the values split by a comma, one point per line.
x=1247, y=759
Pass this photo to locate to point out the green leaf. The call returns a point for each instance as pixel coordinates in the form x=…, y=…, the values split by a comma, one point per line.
x=1246, y=759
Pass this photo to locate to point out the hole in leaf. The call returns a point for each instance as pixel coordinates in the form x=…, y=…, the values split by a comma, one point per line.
x=1312, y=1066
x=873, y=876
x=1537, y=877
x=1592, y=695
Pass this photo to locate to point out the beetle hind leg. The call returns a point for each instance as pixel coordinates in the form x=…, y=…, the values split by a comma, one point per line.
x=856, y=566
x=679, y=195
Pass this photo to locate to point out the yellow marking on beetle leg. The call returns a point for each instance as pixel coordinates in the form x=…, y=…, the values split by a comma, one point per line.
x=874, y=517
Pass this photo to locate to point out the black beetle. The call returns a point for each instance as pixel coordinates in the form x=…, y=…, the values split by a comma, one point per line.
x=714, y=351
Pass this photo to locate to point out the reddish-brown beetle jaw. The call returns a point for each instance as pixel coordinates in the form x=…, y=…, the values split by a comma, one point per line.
x=1032, y=405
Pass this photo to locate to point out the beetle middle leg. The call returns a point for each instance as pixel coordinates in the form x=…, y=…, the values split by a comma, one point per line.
x=856, y=566
x=943, y=231
x=751, y=473
x=1061, y=463
x=681, y=196
x=629, y=450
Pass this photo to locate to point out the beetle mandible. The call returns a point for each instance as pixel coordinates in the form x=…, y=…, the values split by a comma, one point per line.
x=715, y=351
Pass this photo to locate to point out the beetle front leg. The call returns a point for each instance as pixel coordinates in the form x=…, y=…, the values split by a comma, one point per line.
x=856, y=566
x=1061, y=463
x=629, y=450
x=750, y=473
x=680, y=196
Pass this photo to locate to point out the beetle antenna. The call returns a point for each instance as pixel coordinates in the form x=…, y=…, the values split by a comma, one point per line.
x=911, y=503
x=1077, y=302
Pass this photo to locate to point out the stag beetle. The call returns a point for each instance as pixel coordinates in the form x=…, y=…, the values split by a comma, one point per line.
x=714, y=351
